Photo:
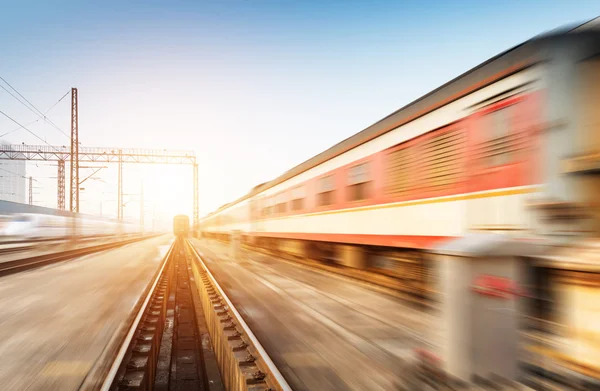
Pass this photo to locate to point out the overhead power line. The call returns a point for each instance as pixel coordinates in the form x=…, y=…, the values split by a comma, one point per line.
x=24, y=127
x=57, y=102
x=19, y=128
x=32, y=108
x=19, y=175
x=15, y=90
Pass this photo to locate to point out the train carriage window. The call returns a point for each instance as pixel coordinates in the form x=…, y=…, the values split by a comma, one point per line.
x=254, y=208
x=298, y=196
x=498, y=148
x=398, y=171
x=326, y=188
x=281, y=206
x=22, y=218
x=269, y=206
x=358, y=182
x=441, y=161
x=233, y=215
x=225, y=218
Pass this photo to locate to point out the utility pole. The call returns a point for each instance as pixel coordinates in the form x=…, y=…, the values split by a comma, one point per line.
x=30, y=190
x=61, y=185
x=195, y=219
x=120, y=188
x=74, y=193
x=74, y=197
x=153, y=217
x=142, y=207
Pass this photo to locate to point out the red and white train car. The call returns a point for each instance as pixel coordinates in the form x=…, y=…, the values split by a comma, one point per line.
x=468, y=156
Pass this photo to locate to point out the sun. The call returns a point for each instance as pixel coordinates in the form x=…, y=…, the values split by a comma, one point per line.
x=169, y=189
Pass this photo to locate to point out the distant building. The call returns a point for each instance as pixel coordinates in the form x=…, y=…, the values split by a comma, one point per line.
x=12, y=180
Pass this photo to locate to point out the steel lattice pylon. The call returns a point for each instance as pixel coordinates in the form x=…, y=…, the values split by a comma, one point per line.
x=120, y=189
x=61, y=185
x=30, y=190
x=49, y=153
x=74, y=196
x=98, y=155
x=77, y=154
x=196, y=218
x=142, y=210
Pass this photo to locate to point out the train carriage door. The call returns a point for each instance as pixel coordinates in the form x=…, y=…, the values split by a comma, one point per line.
x=502, y=156
x=588, y=135
x=262, y=211
x=503, y=145
x=588, y=104
x=494, y=138
x=254, y=216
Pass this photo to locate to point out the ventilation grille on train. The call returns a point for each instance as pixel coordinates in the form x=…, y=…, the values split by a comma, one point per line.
x=435, y=165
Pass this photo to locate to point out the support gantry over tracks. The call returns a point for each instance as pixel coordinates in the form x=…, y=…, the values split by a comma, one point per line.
x=77, y=154
x=102, y=155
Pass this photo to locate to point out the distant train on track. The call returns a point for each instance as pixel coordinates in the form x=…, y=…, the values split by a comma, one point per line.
x=39, y=226
x=181, y=225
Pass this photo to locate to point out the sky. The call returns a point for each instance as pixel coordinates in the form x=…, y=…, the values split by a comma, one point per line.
x=253, y=87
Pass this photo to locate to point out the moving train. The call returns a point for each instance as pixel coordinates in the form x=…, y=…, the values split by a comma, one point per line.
x=473, y=155
x=181, y=225
x=40, y=226
x=512, y=146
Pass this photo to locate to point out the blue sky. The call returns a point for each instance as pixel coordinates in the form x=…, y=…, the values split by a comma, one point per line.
x=254, y=87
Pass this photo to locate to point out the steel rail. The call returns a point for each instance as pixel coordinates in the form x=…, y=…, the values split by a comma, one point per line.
x=263, y=353
x=10, y=250
x=55, y=239
x=125, y=344
x=19, y=265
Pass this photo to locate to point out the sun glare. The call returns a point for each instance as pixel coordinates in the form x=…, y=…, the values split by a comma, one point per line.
x=169, y=188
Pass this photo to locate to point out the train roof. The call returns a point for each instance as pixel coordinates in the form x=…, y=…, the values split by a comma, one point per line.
x=502, y=65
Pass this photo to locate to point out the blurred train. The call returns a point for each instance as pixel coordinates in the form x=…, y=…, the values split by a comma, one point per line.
x=40, y=226
x=181, y=225
x=468, y=156
x=511, y=146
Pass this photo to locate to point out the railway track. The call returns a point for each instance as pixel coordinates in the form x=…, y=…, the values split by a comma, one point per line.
x=19, y=265
x=51, y=239
x=325, y=302
x=185, y=334
x=391, y=285
x=15, y=246
x=182, y=332
x=16, y=249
